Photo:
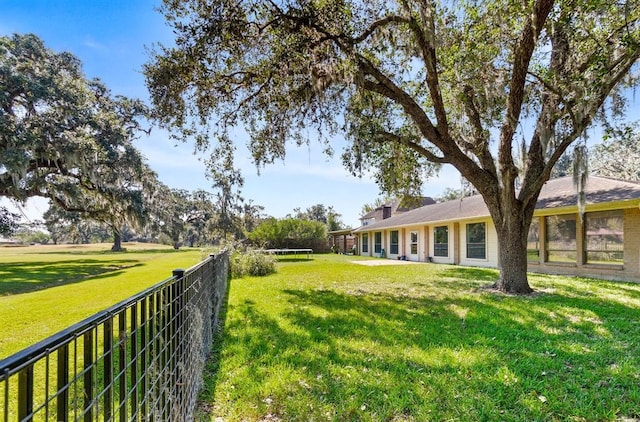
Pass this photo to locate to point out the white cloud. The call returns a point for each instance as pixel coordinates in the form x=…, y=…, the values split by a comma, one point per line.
x=93, y=44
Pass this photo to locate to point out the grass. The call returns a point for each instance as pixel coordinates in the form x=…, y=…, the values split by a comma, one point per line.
x=327, y=339
x=44, y=289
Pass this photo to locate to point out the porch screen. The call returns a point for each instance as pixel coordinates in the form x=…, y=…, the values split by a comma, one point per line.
x=604, y=237
x=476, y=241
x=441, y=241
x=561, y=238
x=533, y=241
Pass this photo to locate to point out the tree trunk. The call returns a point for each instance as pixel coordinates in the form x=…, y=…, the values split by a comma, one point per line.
x=117, y=241
x=512, y=220
x=512, y=245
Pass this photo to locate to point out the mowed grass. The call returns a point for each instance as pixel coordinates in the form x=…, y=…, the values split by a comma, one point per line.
x=44, y=289
x=329, y=340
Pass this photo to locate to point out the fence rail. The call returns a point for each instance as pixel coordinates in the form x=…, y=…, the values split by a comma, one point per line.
x=139, y=360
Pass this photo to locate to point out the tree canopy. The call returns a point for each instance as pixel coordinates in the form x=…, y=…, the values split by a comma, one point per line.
x=498, y=89
x=618, y=155
x=65, y=137
x=290, y=233
x=8, y=221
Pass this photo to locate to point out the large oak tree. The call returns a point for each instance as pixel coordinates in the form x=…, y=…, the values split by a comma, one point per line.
x=66, y=137
x=499, y=89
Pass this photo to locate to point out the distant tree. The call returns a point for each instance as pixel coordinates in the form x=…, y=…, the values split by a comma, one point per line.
x=333, y=221
x=290, y=233
x=123, y=197
x=321, y=213
x=74, y=227
x=466, y=189
x=618, y=155
x=411, y=84
x=252, y=216
x=367, y=208
x=564, y=166
x=65, y=137
x=8, y=222
x=201, y=211
x=31, y=232
x=449, y=194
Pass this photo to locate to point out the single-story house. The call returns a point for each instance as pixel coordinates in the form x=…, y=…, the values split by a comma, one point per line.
x=605, y=244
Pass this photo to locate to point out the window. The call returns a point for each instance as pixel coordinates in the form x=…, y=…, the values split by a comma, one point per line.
x=441, y=241
x=365, y=242
x=604, y=237
x=561, y=238
x=414, y=243
x=476, y=241
x=377, y=242
x=393, y=247
x=533, y=241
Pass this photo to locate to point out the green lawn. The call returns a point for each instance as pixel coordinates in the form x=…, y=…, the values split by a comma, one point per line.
x=327, y=339
x=44, y=289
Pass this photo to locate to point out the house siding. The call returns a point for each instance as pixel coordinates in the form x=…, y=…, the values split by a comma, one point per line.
x=607, y=194
x=491, y=245
x=630, y=271
x=632, y=241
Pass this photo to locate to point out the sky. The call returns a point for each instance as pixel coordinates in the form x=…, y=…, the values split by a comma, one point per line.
x=112, y=39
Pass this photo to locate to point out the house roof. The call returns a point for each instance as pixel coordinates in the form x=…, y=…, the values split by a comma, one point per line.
x=397, y=205
x=556, y=193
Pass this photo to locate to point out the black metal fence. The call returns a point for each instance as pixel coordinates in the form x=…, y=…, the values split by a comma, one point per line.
x=140, y=360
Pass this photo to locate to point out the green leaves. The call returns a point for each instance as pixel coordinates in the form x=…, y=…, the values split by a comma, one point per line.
x=410, y=84
x=61, y=134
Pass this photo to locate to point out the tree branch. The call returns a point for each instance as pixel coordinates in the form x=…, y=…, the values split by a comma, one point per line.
x=404, y=140
x=522, y=57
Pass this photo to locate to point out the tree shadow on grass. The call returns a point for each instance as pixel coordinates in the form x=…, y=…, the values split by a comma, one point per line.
x=25, y=277
x=214, y=359
x=377, y=356
x=108, y=251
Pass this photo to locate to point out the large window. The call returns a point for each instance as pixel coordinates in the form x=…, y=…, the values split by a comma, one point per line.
x=561, y=238
x=365, y=242
x=377, y=242
x=393, y=247
x=533, y=241
x=441, y=241
x=476, y=241
x=414, y=243
x=604, y=237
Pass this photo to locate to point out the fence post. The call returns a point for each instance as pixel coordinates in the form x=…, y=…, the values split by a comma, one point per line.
x=25, y=394
x=176, y=360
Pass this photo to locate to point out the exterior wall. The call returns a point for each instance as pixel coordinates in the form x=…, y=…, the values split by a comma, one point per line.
x=491, y=245
x=450, y=258
x=632, y=241
x=405, y=243
x=629, y=271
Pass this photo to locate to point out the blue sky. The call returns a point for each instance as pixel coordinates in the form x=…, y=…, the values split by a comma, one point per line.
x=111, y=38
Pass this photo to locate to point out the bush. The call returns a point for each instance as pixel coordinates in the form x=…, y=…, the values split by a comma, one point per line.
x=253, y=262
x=245, y=261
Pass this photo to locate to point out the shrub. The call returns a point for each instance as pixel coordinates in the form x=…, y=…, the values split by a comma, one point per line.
x=253, y=262
x=245, y=261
